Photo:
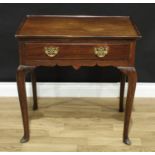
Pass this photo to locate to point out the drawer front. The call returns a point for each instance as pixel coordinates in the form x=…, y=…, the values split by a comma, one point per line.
x=55, y=51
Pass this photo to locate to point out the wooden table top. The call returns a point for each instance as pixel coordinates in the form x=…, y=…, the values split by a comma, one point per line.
x=48, y=26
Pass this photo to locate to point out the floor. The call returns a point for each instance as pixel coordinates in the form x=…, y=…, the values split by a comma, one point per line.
x=77, y=124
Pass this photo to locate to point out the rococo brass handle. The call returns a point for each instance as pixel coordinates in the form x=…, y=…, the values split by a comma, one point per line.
x=51, y=51
x=101, y=51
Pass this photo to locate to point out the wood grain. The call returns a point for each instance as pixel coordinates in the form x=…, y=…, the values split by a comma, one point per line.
x=77, y=26
x=83, y=51
x=77, y=124
x=76, y=37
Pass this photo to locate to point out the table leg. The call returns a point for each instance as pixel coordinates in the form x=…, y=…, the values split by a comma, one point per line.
x=21, y=74
x=130, y=72
x=122, y=86
x=33, y=80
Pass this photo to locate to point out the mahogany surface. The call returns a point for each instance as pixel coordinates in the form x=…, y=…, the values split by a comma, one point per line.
x=76, y=38
x=77, y=26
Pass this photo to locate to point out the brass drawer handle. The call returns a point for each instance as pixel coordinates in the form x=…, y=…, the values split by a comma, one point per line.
x=51, y=51
x=101, y=51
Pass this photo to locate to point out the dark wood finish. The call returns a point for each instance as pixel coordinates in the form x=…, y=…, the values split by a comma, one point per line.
x=122, y=87
x=32, y=53
x=130, y=72
x=117, y=51
x=76, y=37
x=21, y=74
x=77, y=26
x=33, y=79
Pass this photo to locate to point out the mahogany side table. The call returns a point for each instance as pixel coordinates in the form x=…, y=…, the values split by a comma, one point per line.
x=46, y=40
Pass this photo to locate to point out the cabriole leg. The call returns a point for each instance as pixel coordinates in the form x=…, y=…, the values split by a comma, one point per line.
x=21, y=74
x=131, y=74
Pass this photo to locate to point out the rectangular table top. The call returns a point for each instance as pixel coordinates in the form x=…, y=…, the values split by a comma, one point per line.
x=50, y=26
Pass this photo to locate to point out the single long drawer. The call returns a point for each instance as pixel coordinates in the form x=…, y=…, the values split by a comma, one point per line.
x=86, y=51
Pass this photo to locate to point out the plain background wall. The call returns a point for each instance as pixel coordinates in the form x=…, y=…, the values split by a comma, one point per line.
x=143, y=15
